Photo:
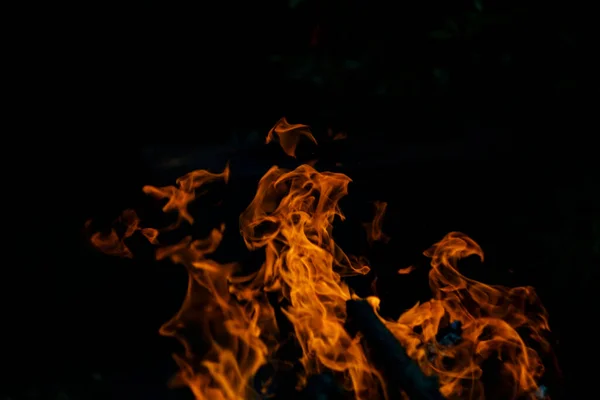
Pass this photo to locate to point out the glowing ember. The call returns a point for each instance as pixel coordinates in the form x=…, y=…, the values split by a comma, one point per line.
x=228, y=326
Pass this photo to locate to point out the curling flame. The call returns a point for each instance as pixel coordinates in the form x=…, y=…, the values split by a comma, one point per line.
x=291, y=217
x=489, y=316
x=375, y=228
x=179, y=197
x=238, y=326
x=232, y=329
x=114, y=244
x=288, y=135
x=227, y=324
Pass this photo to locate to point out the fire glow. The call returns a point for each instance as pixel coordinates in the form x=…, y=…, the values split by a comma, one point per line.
x=234, y=314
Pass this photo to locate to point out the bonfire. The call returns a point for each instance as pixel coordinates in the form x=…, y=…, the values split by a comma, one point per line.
x=235, y=323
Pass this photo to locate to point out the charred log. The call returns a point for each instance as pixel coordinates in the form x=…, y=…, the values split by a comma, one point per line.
x=400, y=372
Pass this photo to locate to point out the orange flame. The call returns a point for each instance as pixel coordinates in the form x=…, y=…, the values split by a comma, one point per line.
x=114, y=244
x=288, y=135
x=374, y=228
x=239, y=329
x=228, y=328
x=490, y=317
x=234, y=330
x=407, y=270
x=291, y=217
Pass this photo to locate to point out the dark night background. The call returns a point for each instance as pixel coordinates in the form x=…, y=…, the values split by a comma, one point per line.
x=463, y=115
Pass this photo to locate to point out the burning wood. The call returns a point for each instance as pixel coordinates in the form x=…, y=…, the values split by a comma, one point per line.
x=401, y=372
x=228, y=322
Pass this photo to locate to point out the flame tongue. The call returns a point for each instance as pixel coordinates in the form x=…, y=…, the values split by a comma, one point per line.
x=488, y=316
x=291, y=216
x=228, y=327
x=288, y=135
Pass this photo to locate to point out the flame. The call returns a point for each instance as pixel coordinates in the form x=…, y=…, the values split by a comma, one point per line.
x=291, y=217
x=337, y=136
x=375, y=228
x=113, y=244
x=227, y=324
x=238, y=346
x=489, y=317
x=239, y=326
x=407, y=270
x=288, y=135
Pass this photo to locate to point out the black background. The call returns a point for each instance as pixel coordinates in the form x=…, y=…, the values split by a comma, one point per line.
x=497, y=149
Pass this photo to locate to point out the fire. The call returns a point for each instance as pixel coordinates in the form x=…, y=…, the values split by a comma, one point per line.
x=291, y=217
x=227, y=323
x=375, y=228
x=288, y=135
x=488, y=316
